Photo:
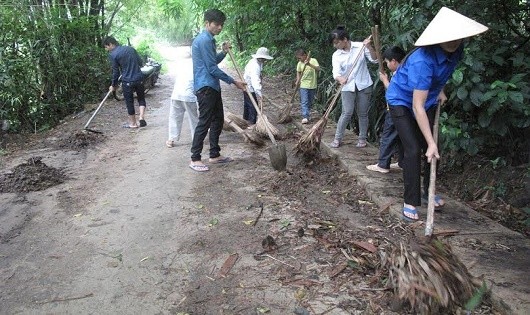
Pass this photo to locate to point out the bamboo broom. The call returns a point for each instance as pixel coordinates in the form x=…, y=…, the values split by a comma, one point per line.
x=426, y=273
x=263, y=126
x=248, y=135
x=309, y=144
x=285, y=115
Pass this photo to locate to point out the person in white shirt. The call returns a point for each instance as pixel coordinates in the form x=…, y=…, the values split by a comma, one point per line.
x=357, y=87
x=252, y=77
x=183, y=100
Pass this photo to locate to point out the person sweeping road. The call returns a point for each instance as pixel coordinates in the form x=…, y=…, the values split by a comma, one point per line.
x=127, y=63
x=416, y=89
x=253, y=77
x=356, y=87
x=307, y=70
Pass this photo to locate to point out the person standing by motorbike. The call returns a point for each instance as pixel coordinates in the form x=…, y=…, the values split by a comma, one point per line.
x=126, y=61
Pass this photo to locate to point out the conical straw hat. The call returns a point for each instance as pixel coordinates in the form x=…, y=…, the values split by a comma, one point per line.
x=447, y=26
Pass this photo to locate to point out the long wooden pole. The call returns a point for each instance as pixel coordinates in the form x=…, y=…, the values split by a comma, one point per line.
x=429, y=225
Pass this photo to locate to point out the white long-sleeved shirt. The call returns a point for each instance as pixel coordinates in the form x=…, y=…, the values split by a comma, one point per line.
x=253, y=76
x=183, y=88
x=342, y=62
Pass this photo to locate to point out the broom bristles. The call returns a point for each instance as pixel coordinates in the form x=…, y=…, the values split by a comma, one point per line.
x=309, y=144
x=262, y=124
x=285, y=115
x=249, y=135
x=242, y=123
x=253, y=137
x=430, y=277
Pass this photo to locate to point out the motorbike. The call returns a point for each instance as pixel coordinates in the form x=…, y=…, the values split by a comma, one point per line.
x=151, y=72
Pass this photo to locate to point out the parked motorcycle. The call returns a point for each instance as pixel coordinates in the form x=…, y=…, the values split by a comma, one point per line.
x=151, y=71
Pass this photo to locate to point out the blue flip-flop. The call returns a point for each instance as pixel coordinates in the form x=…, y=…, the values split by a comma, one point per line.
x=437, y=199
x=410, y=211
x=224, y=159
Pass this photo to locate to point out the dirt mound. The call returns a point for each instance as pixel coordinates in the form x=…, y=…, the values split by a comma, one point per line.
x=81, y=140
x=34, y=175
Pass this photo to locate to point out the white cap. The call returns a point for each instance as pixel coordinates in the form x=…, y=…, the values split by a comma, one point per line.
x=262, y=53
x=449, y=25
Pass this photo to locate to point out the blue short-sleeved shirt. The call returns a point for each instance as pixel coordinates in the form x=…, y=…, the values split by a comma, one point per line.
x=427, y=68
x=205, y=60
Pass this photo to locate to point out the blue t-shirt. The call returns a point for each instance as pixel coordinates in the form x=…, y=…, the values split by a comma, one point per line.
x=205, y=60
x=126, y=60
x=427, y=68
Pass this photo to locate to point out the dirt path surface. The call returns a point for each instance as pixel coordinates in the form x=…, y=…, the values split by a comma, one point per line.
x=118, y=224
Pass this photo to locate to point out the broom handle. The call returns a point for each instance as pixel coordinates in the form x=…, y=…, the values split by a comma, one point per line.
x=377, y=46
x=269, y=132
x=236, y=127
x=429, y=225
x=298, y=82
x=97, y=109
x=331, y=105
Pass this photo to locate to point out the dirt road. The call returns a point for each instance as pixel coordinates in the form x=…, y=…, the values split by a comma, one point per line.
x=132, y=230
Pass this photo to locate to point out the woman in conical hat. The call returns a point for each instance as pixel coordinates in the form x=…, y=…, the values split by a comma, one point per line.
x=415, y=91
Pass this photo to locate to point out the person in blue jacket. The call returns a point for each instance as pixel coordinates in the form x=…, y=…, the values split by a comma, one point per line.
x=126, y=61
x=416, y=89
x=207, y=86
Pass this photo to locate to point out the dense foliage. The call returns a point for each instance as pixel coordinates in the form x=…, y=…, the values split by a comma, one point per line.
x=489, y=108
x=51, y=60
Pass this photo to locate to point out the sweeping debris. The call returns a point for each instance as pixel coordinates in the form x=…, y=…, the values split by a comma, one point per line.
x=248, y=135
x=240, y=122
x=263, y=126
x=277, y=152
x=309, y=144
x=429, y=277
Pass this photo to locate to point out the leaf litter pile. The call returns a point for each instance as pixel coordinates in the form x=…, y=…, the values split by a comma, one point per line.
x=33, y=175
x=343, y=254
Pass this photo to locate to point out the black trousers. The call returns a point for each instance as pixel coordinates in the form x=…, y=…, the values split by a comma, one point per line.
x=128, y=93
x=249, y=112
x=414, y=146
x=211, y=116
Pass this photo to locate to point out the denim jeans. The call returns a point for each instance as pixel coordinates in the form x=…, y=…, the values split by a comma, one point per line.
x=306, y=100
x=351, y=101
x=177, y=110
x=389, y=143
x=249, y=112
x=128, y=94
x=211, y=116
x=413, y=144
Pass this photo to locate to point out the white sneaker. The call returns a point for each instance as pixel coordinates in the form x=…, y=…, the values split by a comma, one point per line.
x=395, y=166
x=305, y=121
x=376, y=168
